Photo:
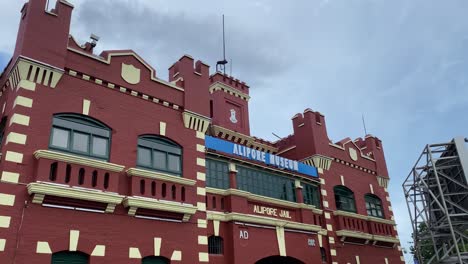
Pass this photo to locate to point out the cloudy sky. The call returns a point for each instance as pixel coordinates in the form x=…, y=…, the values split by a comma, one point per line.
x=402, y=64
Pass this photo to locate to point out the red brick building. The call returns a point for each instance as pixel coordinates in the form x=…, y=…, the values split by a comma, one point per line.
x=104, y=162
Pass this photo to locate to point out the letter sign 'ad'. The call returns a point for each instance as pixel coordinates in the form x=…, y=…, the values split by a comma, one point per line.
x=259, y=156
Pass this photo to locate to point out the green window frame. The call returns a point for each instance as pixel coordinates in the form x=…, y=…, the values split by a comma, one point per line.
x=68, y=257
x=265, y=183
x=80, y=135
x=374, y=206
x=215, y=245
x=159, y=154
x=311, y=194
x=344, y=199
x=217, y=174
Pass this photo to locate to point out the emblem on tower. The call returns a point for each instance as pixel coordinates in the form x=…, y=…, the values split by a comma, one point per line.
x=233, y=116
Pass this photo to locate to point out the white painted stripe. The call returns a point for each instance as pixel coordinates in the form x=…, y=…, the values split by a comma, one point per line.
x=74, y=237
x=162, y=128
x=7, y=199
x=16, y=138
x=86, y=106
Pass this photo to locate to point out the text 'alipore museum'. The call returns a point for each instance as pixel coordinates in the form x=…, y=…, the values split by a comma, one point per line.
x=104, y=162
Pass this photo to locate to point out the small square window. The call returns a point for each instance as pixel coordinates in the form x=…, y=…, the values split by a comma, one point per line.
x=174, y=163
x=100, y=146
x=144, y=157
x=159, y=160
x=80, y=142
x=60, y=137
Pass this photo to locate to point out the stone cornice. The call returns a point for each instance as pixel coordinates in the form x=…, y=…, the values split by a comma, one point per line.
x=75, y=193
x=210, y=215
x=364, y=217
x=159, y=176
x=65, y=157
x=354, y=234
x=263, y=199
x=244, y=139
x=37, y=71
x=319, y=161
x=135, y=202
x=196, y=121
x=219, y=86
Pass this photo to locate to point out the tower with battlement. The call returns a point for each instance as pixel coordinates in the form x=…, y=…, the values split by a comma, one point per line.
x=103, y=161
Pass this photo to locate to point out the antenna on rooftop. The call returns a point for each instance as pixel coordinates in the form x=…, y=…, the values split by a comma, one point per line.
x=276, y=135
x=364, y=124
x=221, y=65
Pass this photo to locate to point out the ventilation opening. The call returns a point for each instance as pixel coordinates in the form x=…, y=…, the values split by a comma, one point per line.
x=95, y=178
x=173, y=191
x=53, y=171
x=106, y=180
x=183, y=194
x=142, y=186
x=68, y=173
x=164, y=190
x=153, y=188
x=211, y=108
x=81, y=176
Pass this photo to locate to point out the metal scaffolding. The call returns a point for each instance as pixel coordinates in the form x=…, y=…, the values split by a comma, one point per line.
x=436, y=192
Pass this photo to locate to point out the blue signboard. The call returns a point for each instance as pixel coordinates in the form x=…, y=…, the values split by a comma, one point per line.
x=260, y=156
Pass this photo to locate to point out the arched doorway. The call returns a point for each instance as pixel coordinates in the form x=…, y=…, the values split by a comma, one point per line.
x=155, y=260
x=68, y=257
x=279, y=260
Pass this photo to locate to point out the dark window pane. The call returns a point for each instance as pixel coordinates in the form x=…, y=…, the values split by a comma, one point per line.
x=159, y=160
x=80, y=142
x=100, y=146
x=174, y=163
x=144, y=157
x=60, y=137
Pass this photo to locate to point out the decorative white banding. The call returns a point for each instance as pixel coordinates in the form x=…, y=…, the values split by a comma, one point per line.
x=7, y=199
x=99, y=251
x=16, y=138
x=23, y=101
x=14, y=156
x=5, y=221
x=19, y=119
x=43, y=248
x=74, y=237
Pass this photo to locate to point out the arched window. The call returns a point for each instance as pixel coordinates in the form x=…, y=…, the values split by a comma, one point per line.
x=215, y=245
x=80, y=135
x=344, y=199
x=373, y=205
x=159, y=154
x=155, y=260
x=70, y=257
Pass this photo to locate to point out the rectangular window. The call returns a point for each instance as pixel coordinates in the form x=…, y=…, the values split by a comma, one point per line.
x=144, y=157
x=173, y=163
x=217, y=174
x=266, y=184
x=100, y=146
x=159, y=160
x=80, y=142
x=60, y=138
x=311, y=194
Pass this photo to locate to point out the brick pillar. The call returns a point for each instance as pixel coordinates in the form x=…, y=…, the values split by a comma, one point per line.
x=232, y=176
x=299, y=194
